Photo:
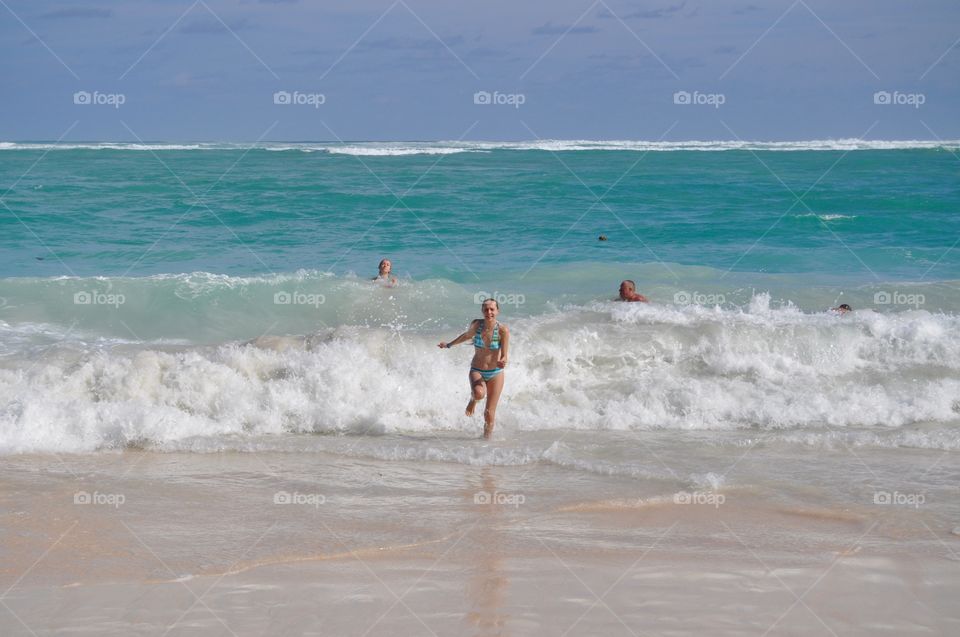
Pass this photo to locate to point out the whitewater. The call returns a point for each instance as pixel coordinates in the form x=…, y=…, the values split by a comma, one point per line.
x=206, y=296
x=375, y=149
x=371, y=367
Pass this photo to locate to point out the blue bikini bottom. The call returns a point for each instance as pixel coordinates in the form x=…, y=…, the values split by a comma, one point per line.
x=487, y=374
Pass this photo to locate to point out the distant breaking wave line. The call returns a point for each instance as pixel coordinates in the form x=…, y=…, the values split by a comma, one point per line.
x=453, y=147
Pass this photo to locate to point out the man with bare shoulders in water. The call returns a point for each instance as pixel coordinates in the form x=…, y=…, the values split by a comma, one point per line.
x=628, y=292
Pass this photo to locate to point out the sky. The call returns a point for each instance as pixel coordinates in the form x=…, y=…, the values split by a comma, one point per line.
x=298, y=70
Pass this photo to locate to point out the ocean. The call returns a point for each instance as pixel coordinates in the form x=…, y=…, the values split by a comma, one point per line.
x=194, y=362
x=184, y=295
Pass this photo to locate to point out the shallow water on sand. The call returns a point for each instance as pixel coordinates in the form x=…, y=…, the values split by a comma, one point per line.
x=328, y=540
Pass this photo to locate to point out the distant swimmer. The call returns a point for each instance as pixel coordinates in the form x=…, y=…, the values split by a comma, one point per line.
x=384, y=276
x=841, y=309
x=491, y=342
x=628, y=292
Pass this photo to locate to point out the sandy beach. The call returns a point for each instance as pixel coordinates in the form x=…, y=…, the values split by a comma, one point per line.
x=147, y=543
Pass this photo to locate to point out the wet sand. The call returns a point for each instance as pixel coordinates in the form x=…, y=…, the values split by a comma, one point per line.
x=144, y=543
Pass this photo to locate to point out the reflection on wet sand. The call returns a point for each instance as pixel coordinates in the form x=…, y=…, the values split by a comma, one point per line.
x=487, y=583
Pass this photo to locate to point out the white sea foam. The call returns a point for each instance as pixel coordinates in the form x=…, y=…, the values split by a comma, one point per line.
x=155, y=146
x=398, y=150
x=605, y=366
x=719, y=145
x=827, y=217
x=450, y=147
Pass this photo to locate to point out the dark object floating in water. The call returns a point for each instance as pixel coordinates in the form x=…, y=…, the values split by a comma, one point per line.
x=602, y=237
x=38, y=258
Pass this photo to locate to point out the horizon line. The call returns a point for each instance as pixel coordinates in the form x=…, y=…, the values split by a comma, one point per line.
x=470, y=141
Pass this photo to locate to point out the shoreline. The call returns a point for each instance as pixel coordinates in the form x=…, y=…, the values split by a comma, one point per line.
x=210, y=542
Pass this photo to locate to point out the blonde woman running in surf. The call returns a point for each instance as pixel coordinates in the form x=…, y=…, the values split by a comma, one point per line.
x=491, y=342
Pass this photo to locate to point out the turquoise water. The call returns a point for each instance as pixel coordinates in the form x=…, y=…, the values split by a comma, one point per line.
x=210, y=296
x=865, y=215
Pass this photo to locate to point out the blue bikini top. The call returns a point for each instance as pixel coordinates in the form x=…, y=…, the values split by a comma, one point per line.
x=494, y=340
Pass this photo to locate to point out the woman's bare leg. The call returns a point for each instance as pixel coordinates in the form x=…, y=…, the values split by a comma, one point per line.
x=477, y=391
x=494, y=387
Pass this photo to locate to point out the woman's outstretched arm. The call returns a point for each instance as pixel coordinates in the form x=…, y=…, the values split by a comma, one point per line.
x=466, y=336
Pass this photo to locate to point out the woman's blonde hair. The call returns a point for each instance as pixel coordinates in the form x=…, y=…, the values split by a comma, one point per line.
x=495, y=302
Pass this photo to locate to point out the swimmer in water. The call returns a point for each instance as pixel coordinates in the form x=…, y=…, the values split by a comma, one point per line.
x=384, y=276
x=628, y=292
x=491, y=342
x=841, y=309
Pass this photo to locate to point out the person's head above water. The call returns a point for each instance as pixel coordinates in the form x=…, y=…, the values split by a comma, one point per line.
x=385, y=274
x=843, y=308
x=490, y=308
x=628, y=291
